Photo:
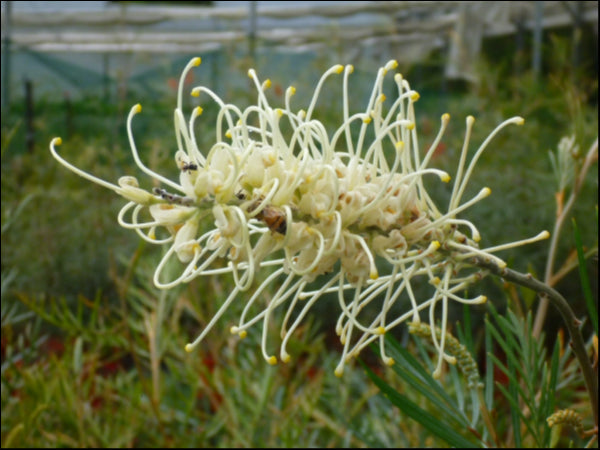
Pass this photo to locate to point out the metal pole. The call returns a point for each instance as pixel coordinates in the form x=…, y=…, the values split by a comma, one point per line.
x=576, y=11
x=105, y=77
x=520, y=43
x=29, y=131
x=6, y=26
x=577, y=33
x=537, y=39
x=252, y=32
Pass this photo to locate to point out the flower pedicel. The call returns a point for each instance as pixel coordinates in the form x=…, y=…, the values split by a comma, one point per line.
x=284, y=193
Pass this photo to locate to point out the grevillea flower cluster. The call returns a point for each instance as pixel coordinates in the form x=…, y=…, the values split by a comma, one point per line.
x=345, y=210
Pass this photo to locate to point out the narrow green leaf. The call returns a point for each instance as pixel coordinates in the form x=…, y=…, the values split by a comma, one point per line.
x=489, y=367
x=405, y=360
x=428, y=421
x=459, y=391
x=515, y=410
x=413, y=373
x=95, y=309
x=585, y=281
x=547, y=406
x=77, y=359
x=80, y=309
x=518, y=387
x=512, y=331
x=514, y=406
x=509, y=345
x=12, y=434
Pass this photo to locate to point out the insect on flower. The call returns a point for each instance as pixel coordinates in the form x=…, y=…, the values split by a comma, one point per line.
x=189, y=167
x=334, y=202
x=273, y=217
x=173, y=198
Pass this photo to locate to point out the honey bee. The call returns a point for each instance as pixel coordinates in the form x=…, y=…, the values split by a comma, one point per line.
x=273, y=217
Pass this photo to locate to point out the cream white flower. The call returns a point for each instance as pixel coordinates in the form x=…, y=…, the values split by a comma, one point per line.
x=283, y=192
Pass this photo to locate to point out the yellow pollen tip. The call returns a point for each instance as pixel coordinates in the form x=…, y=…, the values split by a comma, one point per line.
x=292, y=90
x=391, y=64
x=382, y=98
x=266, y=84
x=398, y=77
x=152, y=235
x=435, y=245
x=470, y=120
x=400, y=145
x=374, y=275
x=445, y=117
x=380, y=330
x=543, y=235
x=435, y=281
x=196, y=61
x=189, y=348
x=228, y=134
x=415, y=96
x=198, y=110
x=251, y=73
x=445, y=178
x=279, y=112
x=389, y=362
x=57, y=141
x=338, y=68
x=272, y=360
x=367, y=120
x=350, y=68
x=486, y=191
x=339, y=372
x=137, y=108
x=501, y=264
x=286, y=358
x=410, y=126
x=243, y=334
x=483, y=299
x=520, y=121
x=233, y=330
x=195, y=92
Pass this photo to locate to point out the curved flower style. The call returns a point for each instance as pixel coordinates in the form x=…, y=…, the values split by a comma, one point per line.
x=283, y=192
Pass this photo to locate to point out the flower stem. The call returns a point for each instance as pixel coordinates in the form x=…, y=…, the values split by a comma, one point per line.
x=573, y=324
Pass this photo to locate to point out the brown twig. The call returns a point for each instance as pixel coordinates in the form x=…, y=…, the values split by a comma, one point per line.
x=572, y=323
